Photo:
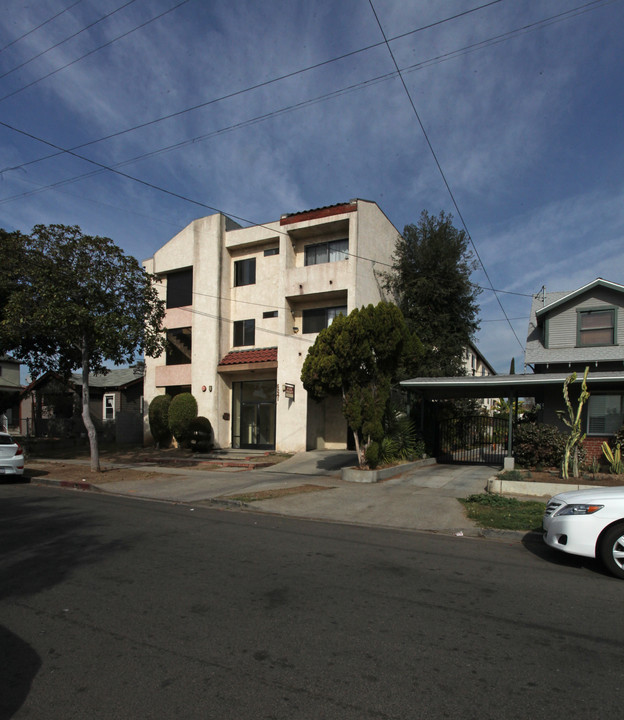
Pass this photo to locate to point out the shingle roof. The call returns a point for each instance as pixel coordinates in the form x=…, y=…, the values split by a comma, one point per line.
x=257, y=355
x=113, y=379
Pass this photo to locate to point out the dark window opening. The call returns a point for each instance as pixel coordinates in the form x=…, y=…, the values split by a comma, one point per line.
x=180, y=288
x=179, y=346
x=269, y=314
x=326, y=252
x=318, y=319
x=245, y=272
x=244, y=332
x=271, y=251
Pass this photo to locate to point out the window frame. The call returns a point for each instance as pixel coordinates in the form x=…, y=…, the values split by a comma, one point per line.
x=584, y=312
x=328, y=246
x=106, y=397
x=604, y=430
x=307, y=314
x=181, y=289
x=243, y=332
x=245, y=272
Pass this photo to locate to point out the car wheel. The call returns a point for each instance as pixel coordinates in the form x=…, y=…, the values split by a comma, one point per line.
x=612, y=550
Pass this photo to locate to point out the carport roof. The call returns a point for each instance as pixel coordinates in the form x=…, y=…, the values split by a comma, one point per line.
x=528, y=385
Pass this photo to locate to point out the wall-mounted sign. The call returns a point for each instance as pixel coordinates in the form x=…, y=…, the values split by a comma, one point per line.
x=289, y=391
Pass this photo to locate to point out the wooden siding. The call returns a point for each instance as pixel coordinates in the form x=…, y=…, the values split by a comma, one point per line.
x=561, y=324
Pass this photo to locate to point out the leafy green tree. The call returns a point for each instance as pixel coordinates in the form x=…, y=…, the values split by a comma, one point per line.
x=430, y=281
x=357, y=358
x=78, y=303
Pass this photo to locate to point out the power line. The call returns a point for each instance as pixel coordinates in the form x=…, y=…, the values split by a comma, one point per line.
x=67, y=39
x=441, y=171
x=45, y=22
x=91, y=52
x=257, y=86
x=410, y=68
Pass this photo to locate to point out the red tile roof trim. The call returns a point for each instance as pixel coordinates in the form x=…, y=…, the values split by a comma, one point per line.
x=318, y=213
x=239, y=357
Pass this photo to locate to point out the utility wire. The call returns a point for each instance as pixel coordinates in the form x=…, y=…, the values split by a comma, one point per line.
x=91, y=52
x=45, y=22
x=441, y=171
x=67, y=39
x=410, y=68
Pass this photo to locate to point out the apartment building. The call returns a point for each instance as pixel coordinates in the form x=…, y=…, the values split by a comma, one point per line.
x=244, y=305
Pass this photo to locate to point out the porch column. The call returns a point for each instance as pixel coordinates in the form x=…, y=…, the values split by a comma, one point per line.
x=508, y=462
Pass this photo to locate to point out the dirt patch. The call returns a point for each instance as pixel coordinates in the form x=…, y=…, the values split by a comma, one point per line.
x=78, y=473
x=276, y=493
x=553, y=476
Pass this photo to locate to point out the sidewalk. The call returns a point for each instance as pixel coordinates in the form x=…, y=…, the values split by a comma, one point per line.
x=421, y=499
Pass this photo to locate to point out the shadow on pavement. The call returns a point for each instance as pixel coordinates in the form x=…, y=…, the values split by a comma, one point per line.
x=534, y=543
x=19, y=664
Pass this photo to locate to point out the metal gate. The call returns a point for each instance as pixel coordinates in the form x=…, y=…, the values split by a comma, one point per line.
x=472, y=439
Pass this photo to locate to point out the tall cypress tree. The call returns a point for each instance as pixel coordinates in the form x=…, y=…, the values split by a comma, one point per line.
x=430, y=281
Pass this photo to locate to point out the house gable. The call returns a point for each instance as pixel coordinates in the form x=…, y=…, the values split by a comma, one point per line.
x=576, y=328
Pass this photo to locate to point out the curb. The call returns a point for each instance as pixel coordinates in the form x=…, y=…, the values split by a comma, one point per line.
x=68, y=484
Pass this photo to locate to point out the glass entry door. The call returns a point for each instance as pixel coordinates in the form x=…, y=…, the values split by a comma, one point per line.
x=253, y=414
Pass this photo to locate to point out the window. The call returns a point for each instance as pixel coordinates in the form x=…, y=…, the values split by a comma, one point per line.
x=271, y=251
x=326, y=252
x=180, y=288
x=245, y=272
x=108, y=409
x=269, y=314
x=179, y=346
x=605, y=414
x=596, y=327
x=244, y=332
x=318, y=319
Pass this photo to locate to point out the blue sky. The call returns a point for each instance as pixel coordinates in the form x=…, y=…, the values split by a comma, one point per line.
x=522, y=102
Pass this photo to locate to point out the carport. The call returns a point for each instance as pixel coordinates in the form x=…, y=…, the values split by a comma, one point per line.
x=543, y=387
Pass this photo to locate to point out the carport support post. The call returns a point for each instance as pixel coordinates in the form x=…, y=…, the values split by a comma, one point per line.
x=508, y=462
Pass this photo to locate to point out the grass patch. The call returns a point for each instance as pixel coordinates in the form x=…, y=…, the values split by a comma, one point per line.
x=504, y=513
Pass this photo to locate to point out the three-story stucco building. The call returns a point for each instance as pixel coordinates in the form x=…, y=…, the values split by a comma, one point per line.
x=244, y=305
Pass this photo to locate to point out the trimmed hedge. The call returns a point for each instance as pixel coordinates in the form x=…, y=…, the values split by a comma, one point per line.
x=182, y=411
x=158, y=416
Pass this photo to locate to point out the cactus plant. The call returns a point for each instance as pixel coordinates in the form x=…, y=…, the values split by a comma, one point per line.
x=573, y=421
x=614, y=458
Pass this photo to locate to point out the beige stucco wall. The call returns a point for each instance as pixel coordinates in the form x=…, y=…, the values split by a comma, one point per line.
x=283, y=283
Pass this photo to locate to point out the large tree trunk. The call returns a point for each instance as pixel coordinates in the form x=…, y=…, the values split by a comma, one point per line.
x=86, y=415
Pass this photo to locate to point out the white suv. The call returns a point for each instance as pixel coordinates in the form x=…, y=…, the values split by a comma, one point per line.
x=588, y=523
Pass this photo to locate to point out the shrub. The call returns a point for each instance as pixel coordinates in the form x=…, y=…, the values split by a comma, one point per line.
x=182, y=411
x=388, y=451
x=536, y=444
x=158, y=416
x=372, y=455
x=202, y=426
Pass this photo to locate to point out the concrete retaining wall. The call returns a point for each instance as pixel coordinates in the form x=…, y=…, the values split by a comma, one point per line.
x=373, y=476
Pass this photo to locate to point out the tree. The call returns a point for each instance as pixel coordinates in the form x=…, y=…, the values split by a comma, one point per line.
x=78, y=303
x=430, y=281
x=158, y=416
x=357, y=357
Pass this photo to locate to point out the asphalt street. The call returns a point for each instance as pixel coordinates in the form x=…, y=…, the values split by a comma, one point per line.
x=118, y=608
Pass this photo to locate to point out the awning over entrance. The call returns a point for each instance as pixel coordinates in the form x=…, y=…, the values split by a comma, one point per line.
x=243, y=360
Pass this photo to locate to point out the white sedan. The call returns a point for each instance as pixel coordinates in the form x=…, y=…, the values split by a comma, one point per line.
x=588, y=523
x=11, y=456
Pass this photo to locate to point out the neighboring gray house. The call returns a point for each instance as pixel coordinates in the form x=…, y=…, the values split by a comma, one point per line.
x=115, y=400
x=568, y=331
